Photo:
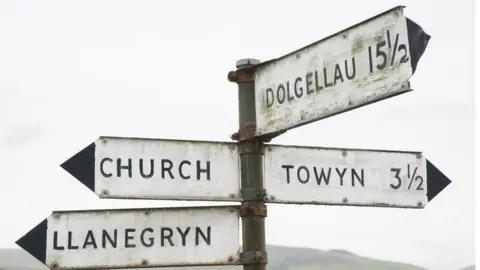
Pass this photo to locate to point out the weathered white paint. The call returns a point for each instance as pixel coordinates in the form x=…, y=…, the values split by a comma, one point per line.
x=364, y=88
x=377, y=176
x=224, y=169
x=223, y=222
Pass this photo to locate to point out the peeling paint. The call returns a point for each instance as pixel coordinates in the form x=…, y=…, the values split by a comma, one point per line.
x=348, y=177
x=222, y=248
x=280, y=105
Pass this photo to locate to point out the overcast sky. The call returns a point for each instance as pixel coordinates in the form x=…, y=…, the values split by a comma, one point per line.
x=74, y=70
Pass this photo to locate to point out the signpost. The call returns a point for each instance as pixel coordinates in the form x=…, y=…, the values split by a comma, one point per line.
x=126, y=238
x=136, y=168
x=363, y=64
x=355, y=177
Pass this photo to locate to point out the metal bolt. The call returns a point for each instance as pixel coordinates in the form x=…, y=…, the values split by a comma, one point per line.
x=272, y=198
x=345, y=200
x=297, y=55
x=344, y=35
x=232, y=195
x=247, y=62
x=147, y=212
x=350, y=103
x=230, y=258
x=54, y=265
x=144, y=262
x=419, y=156
x=419, y=204
x=104, y=192
x=104, y=141
x=56, y=216
x=344, y=153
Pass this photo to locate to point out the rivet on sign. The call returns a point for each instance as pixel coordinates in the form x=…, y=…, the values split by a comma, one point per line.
x=54, y=265
x=419, y=204
x=232, y=195
x=344, y=35
x=147, y=212
x=104, y=192
x=272, y=198
x=230, y=258
x=345, y=200
x=344, y=153
x=350, y=103
x=297, y=55
x=104, y=141
x=419, y=156
x=144, y=262
x=56, y=215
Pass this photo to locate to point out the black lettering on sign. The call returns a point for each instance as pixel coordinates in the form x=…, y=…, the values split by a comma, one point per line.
x=298, y=89
x=167, y=166
x=204, y=171
x=280, y=94
x=205, y=236
x=313, y=81
x=166, y=234
x=287, y=168
x=90, y=240
x=128, y=237
x=121, y=167
x=55, y=242
x=70, y=241
x=324, y=175
x=151, y=171
x=102, y=171
x=385, y=52
x=321, y=175
x=302, y=170
x=133, y=237
x=290, y=97
x=183, y=234
x=180, y=169
x=168, y=169
x=112, y=240
x=341, y=174
x=413, y=180
x=143, y=240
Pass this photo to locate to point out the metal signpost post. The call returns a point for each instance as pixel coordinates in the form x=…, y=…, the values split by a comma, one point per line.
x=366, y=63
x=251, y=160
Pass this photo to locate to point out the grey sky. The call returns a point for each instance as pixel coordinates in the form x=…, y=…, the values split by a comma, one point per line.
x=74, y=70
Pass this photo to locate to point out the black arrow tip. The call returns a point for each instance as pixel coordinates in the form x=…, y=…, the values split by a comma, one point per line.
x=82, y=166
x=436, y=181
x=35, y=241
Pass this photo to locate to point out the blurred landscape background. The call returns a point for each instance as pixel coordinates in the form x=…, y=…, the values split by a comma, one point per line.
x=280, y=258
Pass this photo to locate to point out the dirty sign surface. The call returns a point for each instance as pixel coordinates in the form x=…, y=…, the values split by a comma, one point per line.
x=106, y=239
x=135, y=168
x=330, y=176
x=363, y=64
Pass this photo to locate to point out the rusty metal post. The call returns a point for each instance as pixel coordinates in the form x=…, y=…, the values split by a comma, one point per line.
x=253, y=208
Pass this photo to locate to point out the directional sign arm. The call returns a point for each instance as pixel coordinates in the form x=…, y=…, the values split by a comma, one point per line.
x=361, y=65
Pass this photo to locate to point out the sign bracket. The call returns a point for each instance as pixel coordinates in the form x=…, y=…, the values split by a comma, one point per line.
x=253, y=257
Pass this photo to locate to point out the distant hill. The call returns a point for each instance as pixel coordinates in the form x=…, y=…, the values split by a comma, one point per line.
x=280, y=258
